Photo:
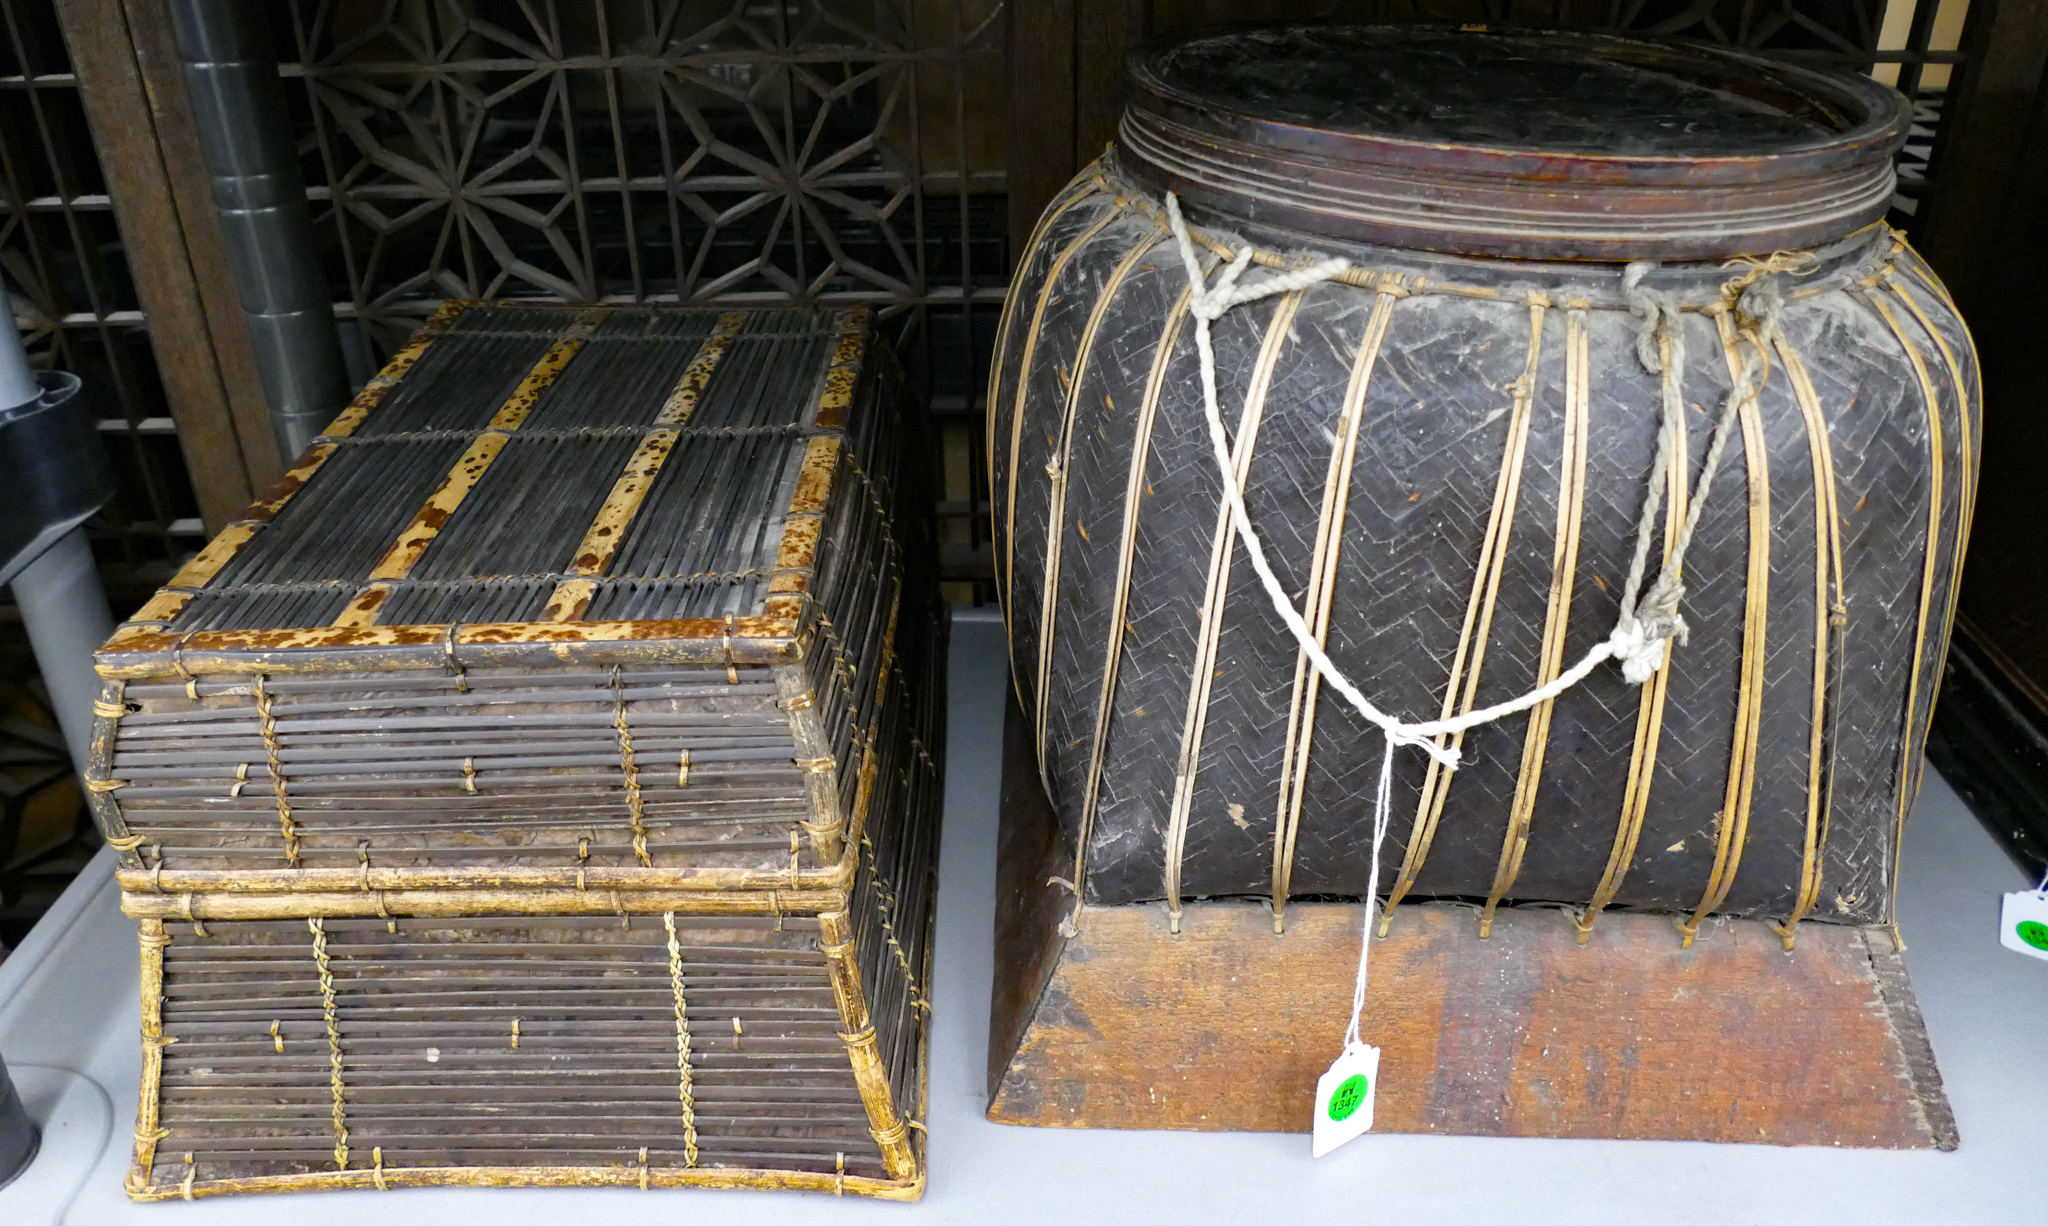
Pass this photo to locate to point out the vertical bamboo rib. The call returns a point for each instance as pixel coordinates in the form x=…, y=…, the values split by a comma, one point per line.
x=1076, y=192
x=1967, y=447
x=1732, y=835
x=1642, y=766
x=835, y=940
x=1911, y=749
x=1564, y=564
x=1005, y=570
x=1056, y=514
x=1329, y=548
x=148, y=1114
x=1966, y=441
x=1244, y=442
x=1478, y=624
x=100, y=785
x=1134, y=488
x=1829, y=610
x=812, y=743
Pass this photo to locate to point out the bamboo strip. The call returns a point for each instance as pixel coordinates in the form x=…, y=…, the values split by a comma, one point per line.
x=1732, y=831
x=379, y=903
x=1304, y=697
x=606, y=532
x=1057, y=469
x=1564, y=564
x=907, y=1189
x=147, y=1117
x=849, y=355
x=835, y=939
x=1223, y=550
x=1477, y=628
x=142, y=653
x=396, y=369
x=1007, y=521
x=99, y=784
x=222, y=548
x=426, y=523
x=317, y=882
x=828, y=823
x=1829, y=605
x=1642, y=767
x=1912, y=757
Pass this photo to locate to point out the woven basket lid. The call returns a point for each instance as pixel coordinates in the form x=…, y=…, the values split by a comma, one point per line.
x=1526, y=143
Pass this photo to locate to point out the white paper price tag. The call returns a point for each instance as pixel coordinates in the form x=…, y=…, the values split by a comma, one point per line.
x=1344, y=1098
x=2023, y=923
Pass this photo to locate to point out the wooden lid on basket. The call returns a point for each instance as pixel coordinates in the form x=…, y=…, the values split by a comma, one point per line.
x=1534, y=144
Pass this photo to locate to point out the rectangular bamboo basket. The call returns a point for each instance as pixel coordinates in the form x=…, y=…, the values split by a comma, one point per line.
x=585, y=645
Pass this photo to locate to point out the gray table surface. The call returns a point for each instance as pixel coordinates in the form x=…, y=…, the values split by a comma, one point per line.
x=68, y=1028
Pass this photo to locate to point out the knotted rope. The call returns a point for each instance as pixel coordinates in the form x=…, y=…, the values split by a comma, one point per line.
x=1648, y=621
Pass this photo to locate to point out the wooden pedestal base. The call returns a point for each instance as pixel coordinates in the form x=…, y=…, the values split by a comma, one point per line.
x=1527, y=1033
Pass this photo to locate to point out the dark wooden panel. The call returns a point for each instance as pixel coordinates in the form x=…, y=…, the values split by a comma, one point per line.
x=1030, y=853
x=149, y=23
x=1988, y=114
x=120, y=111
x=1990, y=742
x=1041, y=137
x=1105, y=31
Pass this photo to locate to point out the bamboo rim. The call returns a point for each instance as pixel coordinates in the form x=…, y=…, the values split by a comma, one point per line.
x=193, y=906
x=649, y=1178
x=779, y=635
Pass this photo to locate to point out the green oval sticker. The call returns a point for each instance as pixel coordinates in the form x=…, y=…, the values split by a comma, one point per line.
x=2033, y=932
x=1349, y=1095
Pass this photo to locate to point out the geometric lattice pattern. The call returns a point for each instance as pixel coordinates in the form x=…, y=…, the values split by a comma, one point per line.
x=793, y=151
x=70, y=292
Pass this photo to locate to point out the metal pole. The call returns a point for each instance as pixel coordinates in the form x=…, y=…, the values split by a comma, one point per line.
x=65, y=613
x=18, y=385
x=54, y=454
x=19, y=1139
x=239, y=116
x=57, y=476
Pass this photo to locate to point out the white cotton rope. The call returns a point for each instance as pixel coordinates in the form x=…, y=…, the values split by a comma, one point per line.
x=1644, y=627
